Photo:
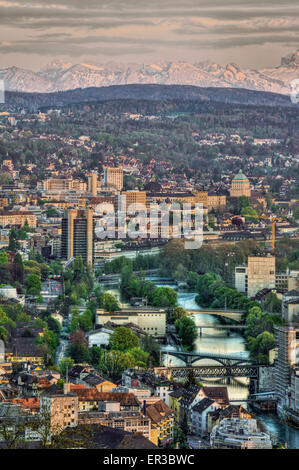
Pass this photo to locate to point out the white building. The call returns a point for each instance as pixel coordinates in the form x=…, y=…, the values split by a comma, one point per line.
x=238, y=433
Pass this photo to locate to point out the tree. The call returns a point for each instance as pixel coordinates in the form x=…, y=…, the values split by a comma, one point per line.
x=187, y=332
x=113, y=363
x=78, y=352
x=123, y=339
x=140, y=356
x=4, y=257
x=272, y=303
x=164, y=297
x=33, y=284
x=13, y=244
x=65, y=364
x=108, y=302
x=177, y=314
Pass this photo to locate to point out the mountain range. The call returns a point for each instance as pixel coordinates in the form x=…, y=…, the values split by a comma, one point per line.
x=62, y=76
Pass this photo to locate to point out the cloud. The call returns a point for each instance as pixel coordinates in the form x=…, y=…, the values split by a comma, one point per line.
x=139, y=27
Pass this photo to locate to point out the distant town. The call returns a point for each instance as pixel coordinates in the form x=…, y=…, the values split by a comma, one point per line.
x=137, y=342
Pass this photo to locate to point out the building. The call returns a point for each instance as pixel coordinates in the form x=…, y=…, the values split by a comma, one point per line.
x=174, y=403
x=77, y=234
x=216, y=201
x=162, y=419
x=134, y=197
x=199, y=416
x=129, y=421
x=241, y=279
x=62, y=184
x=114, y=177
x=260, y=274
x=290, y=306
x=92, y=183
x=238, y=433
x=151, y=320
x=240, y=186
x=287, y=356
x=17, y=218
x=62, y=411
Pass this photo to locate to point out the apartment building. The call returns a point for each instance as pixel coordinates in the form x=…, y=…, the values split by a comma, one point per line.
x=17, y=218
x=62, y=411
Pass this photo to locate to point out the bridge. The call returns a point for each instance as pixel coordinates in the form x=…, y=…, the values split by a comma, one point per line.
x=209, y=372
x=236, y=315
x=223, y=359
x=218, y=327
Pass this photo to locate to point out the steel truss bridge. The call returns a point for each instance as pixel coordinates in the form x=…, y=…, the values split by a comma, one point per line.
x=202, y=372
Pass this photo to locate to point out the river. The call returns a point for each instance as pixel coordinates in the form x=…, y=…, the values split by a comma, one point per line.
x=215, y=340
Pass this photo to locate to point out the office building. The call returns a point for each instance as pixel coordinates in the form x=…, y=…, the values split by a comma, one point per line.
x=77, y=235
x=113, y=177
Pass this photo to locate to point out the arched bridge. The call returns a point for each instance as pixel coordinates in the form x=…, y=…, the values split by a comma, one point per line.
x=227, y=360
x=236, y=315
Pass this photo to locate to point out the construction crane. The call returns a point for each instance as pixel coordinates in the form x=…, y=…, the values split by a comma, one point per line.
x=274, y=219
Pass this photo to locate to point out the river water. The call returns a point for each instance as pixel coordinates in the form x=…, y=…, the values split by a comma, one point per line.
x=215, y=340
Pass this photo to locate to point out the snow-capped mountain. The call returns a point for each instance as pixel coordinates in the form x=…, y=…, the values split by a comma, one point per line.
x=61, y=76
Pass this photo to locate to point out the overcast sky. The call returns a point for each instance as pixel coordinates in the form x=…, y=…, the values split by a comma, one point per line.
x=251, y=33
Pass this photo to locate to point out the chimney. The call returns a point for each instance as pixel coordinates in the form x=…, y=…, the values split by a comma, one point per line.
x=66, y=388
x=144, y=407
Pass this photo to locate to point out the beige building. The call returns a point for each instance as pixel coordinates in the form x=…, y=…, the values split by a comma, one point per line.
x=240, y=186
x=134, y=197
x=63, y=184
x=19, y=218
x=216, y=201
x=114, y=177
x=77, y=234
x=92, y=185
x=260, y=274
x=62, y=411
x=151, y=320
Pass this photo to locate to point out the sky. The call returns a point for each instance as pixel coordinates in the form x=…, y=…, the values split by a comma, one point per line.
x=253, y=34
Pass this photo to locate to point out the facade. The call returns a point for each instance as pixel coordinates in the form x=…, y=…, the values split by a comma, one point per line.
x=129, y=421
x=287, y=357
x=240, y=186
x=134, y=197
x=17, y=218
x=77, y=235
x=114, y=177
x=62, y=411
x=241, y=279
x=63, y=184
x=151, y=320
x=290, y=306
x=260, y=274
x=199, y=416
x=162, y=419
x=92, y=183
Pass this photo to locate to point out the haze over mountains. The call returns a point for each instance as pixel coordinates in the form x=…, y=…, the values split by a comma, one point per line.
x=62, y=76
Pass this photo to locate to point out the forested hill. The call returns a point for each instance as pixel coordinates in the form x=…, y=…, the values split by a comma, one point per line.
x=34, y=101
